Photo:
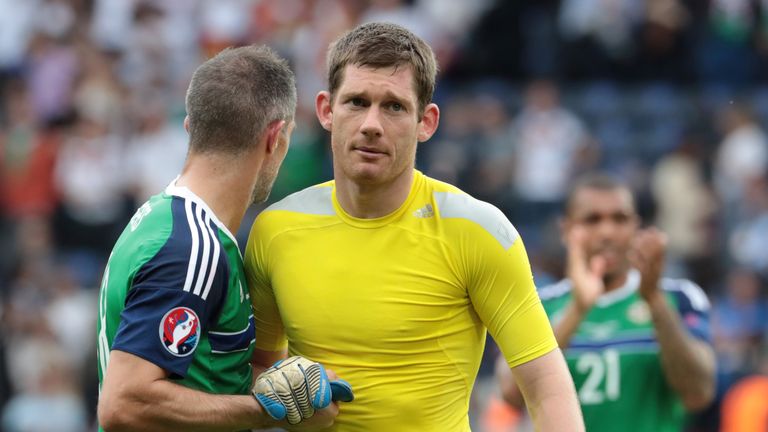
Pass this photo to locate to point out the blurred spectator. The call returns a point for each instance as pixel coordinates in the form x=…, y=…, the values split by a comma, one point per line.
x=492, y=152
x=71, y=315
x=663, y=52
x=146, y=66
x=5, y=382
x=111, y=22
x=738, y=326
x=321, y=24
x=99, y=94
x=53, y=68
x=27, y=157
x=51, y=402
x=598, y=35
x=156, y=152
x=747, y=240
x=25, y=325
x=16, y=29
x=685, y=204
x=90, y=176
x=224, y=23
x=742, y=155
x=403, y=13
x=551, y=146
x=730, y=29
x=447, y=157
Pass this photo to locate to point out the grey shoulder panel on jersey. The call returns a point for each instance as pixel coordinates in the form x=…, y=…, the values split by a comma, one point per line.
x=690, y=290
x=315, y=200
x=490, y=218
x=558, y=289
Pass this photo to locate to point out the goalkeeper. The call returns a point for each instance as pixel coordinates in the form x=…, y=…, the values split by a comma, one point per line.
x=390, y=277
x=175, y=328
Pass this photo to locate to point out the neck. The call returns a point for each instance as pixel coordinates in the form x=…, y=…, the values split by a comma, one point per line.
x=224, y=183
x=370, y=201
x=616, y=281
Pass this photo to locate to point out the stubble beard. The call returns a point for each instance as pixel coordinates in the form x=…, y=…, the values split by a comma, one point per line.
x=263, y=186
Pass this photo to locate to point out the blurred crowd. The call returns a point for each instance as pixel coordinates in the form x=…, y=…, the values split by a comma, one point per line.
x=669, y=95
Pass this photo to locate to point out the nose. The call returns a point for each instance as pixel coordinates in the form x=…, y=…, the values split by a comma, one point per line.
x=371, y=126
x=606, y=230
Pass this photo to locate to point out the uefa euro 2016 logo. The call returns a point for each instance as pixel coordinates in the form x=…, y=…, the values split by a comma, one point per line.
x=180, y=331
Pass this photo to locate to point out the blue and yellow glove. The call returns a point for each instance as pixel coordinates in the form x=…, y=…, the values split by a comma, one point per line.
x=292, y=389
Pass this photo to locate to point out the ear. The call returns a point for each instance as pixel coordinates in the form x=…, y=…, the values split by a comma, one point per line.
x=186, y=124
x=429, y=122
x=324, y=109
x=273, y=135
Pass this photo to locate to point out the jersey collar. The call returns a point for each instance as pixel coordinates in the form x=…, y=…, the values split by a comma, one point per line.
x=630, y=286
x=184, y=192
x=417, y=182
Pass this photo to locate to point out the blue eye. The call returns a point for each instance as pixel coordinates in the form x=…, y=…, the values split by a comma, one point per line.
x=396, y=107
x=357, y=102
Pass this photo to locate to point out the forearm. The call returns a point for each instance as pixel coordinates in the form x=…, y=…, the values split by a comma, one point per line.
x=510, y=392
x=549, y=394
x=688, y=363
x=136, y=395
x=556, y=411
x=165, y=406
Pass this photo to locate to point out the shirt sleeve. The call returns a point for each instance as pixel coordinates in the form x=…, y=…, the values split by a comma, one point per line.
x=270, y=333
x=504, y=296
x=161, y=322
x=693, y=307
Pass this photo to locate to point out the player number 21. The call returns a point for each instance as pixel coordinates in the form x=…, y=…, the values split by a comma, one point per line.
x=603, y=379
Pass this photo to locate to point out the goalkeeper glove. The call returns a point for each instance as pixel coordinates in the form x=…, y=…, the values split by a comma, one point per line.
x=292, y=389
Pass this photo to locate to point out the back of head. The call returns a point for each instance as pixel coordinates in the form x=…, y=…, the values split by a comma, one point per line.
x=234, y=96
x=381, y=45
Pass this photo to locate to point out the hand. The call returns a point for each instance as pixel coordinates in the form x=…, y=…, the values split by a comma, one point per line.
x=293, y=389
x=585, y=275
x=647, y=255
x=341, y=391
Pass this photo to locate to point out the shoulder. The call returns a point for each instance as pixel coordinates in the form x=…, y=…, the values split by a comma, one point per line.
x=453, y=203
x=190, y=254
x=305, y=208
x=314, y=200
x=687, y=294
x=193, y=224
x=555, y=291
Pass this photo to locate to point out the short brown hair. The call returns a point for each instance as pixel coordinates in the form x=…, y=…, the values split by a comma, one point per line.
x=234, y=96
x=595, y=181
x=380, y=45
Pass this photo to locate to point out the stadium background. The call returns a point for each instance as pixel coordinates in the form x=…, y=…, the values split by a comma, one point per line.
x=669, y=95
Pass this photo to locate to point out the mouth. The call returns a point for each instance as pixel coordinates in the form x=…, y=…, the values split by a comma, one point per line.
x=369, y=152
x=610, y=254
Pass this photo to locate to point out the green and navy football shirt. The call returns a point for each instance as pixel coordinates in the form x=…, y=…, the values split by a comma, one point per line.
x=614, y=355
x=174, y=294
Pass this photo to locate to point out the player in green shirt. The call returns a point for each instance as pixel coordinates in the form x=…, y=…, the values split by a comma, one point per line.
x=637, y=344
x=175, y=327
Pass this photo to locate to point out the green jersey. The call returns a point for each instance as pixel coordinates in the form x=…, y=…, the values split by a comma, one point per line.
x=174, y=294
x=614, y=355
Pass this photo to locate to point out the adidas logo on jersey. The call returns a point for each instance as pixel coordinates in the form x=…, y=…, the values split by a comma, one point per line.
x=425, y=212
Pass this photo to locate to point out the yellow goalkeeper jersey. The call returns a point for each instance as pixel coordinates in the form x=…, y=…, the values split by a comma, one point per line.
x=398, y=306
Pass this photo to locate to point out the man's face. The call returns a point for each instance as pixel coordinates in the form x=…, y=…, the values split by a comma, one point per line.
x=271, y=166
x=375, y=125
x=608, y=217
